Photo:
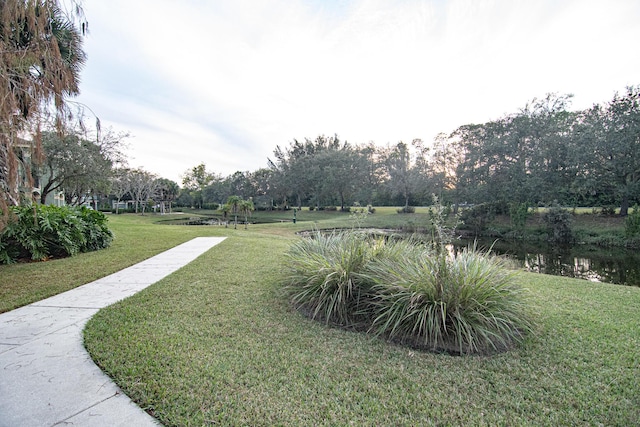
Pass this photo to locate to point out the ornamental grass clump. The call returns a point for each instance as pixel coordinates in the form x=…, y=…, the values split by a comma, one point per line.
x=323, y=279
x=464, y=304
x=408, y=292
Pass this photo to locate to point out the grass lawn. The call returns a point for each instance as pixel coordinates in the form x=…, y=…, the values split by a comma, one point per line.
x=215, y=344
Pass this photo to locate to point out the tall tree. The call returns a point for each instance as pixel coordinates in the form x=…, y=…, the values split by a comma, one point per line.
x=398, y=167
x=74, y=165
x=40, y=61
x=167, y=191
x=246, y=207
x=609, y=141
x=518, y=158
x=143, y=186
x=233, y=204
x=195, y=180
x=120, y=185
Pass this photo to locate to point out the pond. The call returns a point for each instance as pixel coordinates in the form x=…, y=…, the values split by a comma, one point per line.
x=593, y=263
x=597, y=264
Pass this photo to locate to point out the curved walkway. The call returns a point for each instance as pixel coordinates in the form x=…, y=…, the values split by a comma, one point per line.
x=47, y=377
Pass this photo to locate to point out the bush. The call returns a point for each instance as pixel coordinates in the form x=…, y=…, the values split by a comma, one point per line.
x=402, y=290
x=632, y=222
x=406, y=209
x=477, y=218
x=609, y=210
x=323, y=278
x=39, y=232
x=519, y=212
x=210, y=206
x=464, y=305
x=331, y=208
x=97, y=234
x=558, y=223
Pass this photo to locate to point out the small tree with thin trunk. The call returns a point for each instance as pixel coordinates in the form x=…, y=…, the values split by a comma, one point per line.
x=246, y=207
x=234, y=203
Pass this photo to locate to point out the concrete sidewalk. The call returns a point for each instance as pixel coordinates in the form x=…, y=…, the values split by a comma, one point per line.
x=46, y=376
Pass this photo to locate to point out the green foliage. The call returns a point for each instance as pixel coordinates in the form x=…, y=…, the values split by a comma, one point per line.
x=632, y=223
x=608, y=210
x=406, y=209
x=466, y=304
x=323, y=278
x=40, y=231
x=519, y=212
x=96, y=232
x=441, y=233
x=402, y=290
x=558, y=224
x=359, y=215
x=478, y=217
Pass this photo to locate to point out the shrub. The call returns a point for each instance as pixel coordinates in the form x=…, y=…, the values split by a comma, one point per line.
x=632, y=222
x=467, y=304
x=558, y=223
x=323, y=278
x=97, y=234
x=403, y=290
x=330, y=208
x=442, y=233
x=477, y=218
x=519, y=212
x=608, y=210
x=39, y=232
x=406, y=209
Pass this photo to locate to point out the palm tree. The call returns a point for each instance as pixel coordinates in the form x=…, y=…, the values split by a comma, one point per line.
x=225, y=214
x=246, y=206
x=40, y=61
x=234, y=205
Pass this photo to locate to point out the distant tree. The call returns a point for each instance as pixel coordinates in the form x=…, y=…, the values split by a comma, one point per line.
x=234, y=203
x=195, y=180
x=167, y=191
x=519, y=158
x=398, y=166
x=263, y=186
x=75, y=165
x=609, y=140
x=442, y=164
x=143, y=187
x=120, y=185
x=342, y=172
x=246, y=207
x=321, y=171
x=371, y=169
x=225, y=209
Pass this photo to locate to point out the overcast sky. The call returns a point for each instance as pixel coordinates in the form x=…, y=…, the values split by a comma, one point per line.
x=225, y=82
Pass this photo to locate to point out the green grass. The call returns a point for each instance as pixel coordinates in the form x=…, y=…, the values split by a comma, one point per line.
x=216, y=344
x=134, y=241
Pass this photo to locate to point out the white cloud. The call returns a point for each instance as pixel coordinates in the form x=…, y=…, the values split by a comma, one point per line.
x=225, y=82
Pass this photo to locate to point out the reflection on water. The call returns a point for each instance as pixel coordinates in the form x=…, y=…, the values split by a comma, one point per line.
x=611, y=265
x=585, y=262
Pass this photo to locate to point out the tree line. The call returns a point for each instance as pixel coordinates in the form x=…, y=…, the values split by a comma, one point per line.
x=541, y=154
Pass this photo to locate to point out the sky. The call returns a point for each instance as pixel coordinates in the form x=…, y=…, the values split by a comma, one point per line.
x=224, y=82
